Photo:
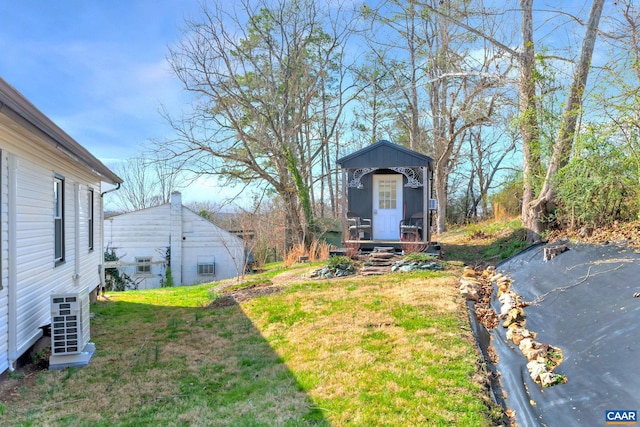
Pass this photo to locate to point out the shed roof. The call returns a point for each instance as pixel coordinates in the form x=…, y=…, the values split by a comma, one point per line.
x=384, y=154
x=15, y=106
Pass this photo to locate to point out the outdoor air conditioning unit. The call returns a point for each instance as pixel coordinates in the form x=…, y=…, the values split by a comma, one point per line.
x=70, y=327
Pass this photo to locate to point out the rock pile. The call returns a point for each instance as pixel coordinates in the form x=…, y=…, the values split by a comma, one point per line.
x=376, y=263
x=330, y=273
x=408, y=265
x=542, y=358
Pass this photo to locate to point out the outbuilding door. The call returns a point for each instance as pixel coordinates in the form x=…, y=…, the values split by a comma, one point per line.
x=387, y=206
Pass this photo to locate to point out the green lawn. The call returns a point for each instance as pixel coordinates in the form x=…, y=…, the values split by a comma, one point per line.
x=388, y=350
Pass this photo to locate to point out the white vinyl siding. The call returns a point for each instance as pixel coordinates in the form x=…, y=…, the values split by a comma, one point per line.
x=148, y=232
x=205, y=240
x=36, y=275
x=30, y=159
x=4, y=257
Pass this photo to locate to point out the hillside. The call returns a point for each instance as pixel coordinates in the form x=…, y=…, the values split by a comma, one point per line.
x=281, y=348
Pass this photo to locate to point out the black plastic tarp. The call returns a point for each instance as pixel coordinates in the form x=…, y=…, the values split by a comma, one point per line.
x=586, y=307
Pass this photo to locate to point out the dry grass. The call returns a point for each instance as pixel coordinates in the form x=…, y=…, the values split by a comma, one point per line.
x=292, y=255
x=383, y=362
x=317, y=251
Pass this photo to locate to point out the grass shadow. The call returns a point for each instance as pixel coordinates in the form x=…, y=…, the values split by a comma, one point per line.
x=479, y=248
x=168, y=365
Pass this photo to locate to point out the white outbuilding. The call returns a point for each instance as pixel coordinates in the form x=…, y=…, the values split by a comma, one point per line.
x=148, y=241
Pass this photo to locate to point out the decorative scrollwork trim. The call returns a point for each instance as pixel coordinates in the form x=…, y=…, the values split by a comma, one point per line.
x=413, y=174
x=356, y=176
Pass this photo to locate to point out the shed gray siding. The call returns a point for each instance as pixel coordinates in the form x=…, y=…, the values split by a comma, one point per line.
x=384, y=157
x=361, y=201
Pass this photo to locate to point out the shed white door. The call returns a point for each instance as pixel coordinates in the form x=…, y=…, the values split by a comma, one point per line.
x=387, y=206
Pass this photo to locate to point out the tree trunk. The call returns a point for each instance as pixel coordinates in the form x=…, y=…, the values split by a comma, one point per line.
x=294, y=230
x=528, y=121
x=545, y=203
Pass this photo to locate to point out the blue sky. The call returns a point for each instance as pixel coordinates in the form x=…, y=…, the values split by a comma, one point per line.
x=96, y=68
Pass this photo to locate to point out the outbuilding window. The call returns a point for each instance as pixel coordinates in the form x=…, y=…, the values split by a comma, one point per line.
x=206, y=266
x=144, y=266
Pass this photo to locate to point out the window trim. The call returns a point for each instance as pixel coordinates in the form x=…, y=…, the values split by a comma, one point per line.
x=91, y=219
x=58, y=219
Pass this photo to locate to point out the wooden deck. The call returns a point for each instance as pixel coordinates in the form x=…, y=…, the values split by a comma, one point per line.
x=397, y=245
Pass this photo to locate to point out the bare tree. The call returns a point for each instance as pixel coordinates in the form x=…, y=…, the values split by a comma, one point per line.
x=623, y=73
x=147, y=183
x=487, y=154
x=256, y=72
x=438, y=78
x=535, y=210
x=399, y=56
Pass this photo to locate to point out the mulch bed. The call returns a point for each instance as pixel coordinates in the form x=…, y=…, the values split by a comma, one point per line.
x=233, y=297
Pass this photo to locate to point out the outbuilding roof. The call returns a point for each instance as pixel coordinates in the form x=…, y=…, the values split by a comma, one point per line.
x=15, y=106
x=384, y=154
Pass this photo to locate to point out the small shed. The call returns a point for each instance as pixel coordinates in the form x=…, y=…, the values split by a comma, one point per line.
x=386, y=201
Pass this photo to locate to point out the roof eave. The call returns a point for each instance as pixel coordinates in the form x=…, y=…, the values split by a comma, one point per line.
x=14, y=105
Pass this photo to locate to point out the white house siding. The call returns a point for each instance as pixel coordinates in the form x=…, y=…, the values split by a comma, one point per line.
x=149, y=232
x=28, y=271
x=140, y=234
x=4, y=271
x=204, y=239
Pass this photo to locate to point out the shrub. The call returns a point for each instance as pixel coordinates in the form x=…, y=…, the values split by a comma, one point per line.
x=339, y=262
x=598, y=186
x=114, y=279
x=167, y=282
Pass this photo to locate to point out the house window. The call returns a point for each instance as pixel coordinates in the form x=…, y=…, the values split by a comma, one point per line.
x=90, y=218
x=206, y=266
x=387, y=194
x=144, y=266
x=206, y=269
x=58, y=218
